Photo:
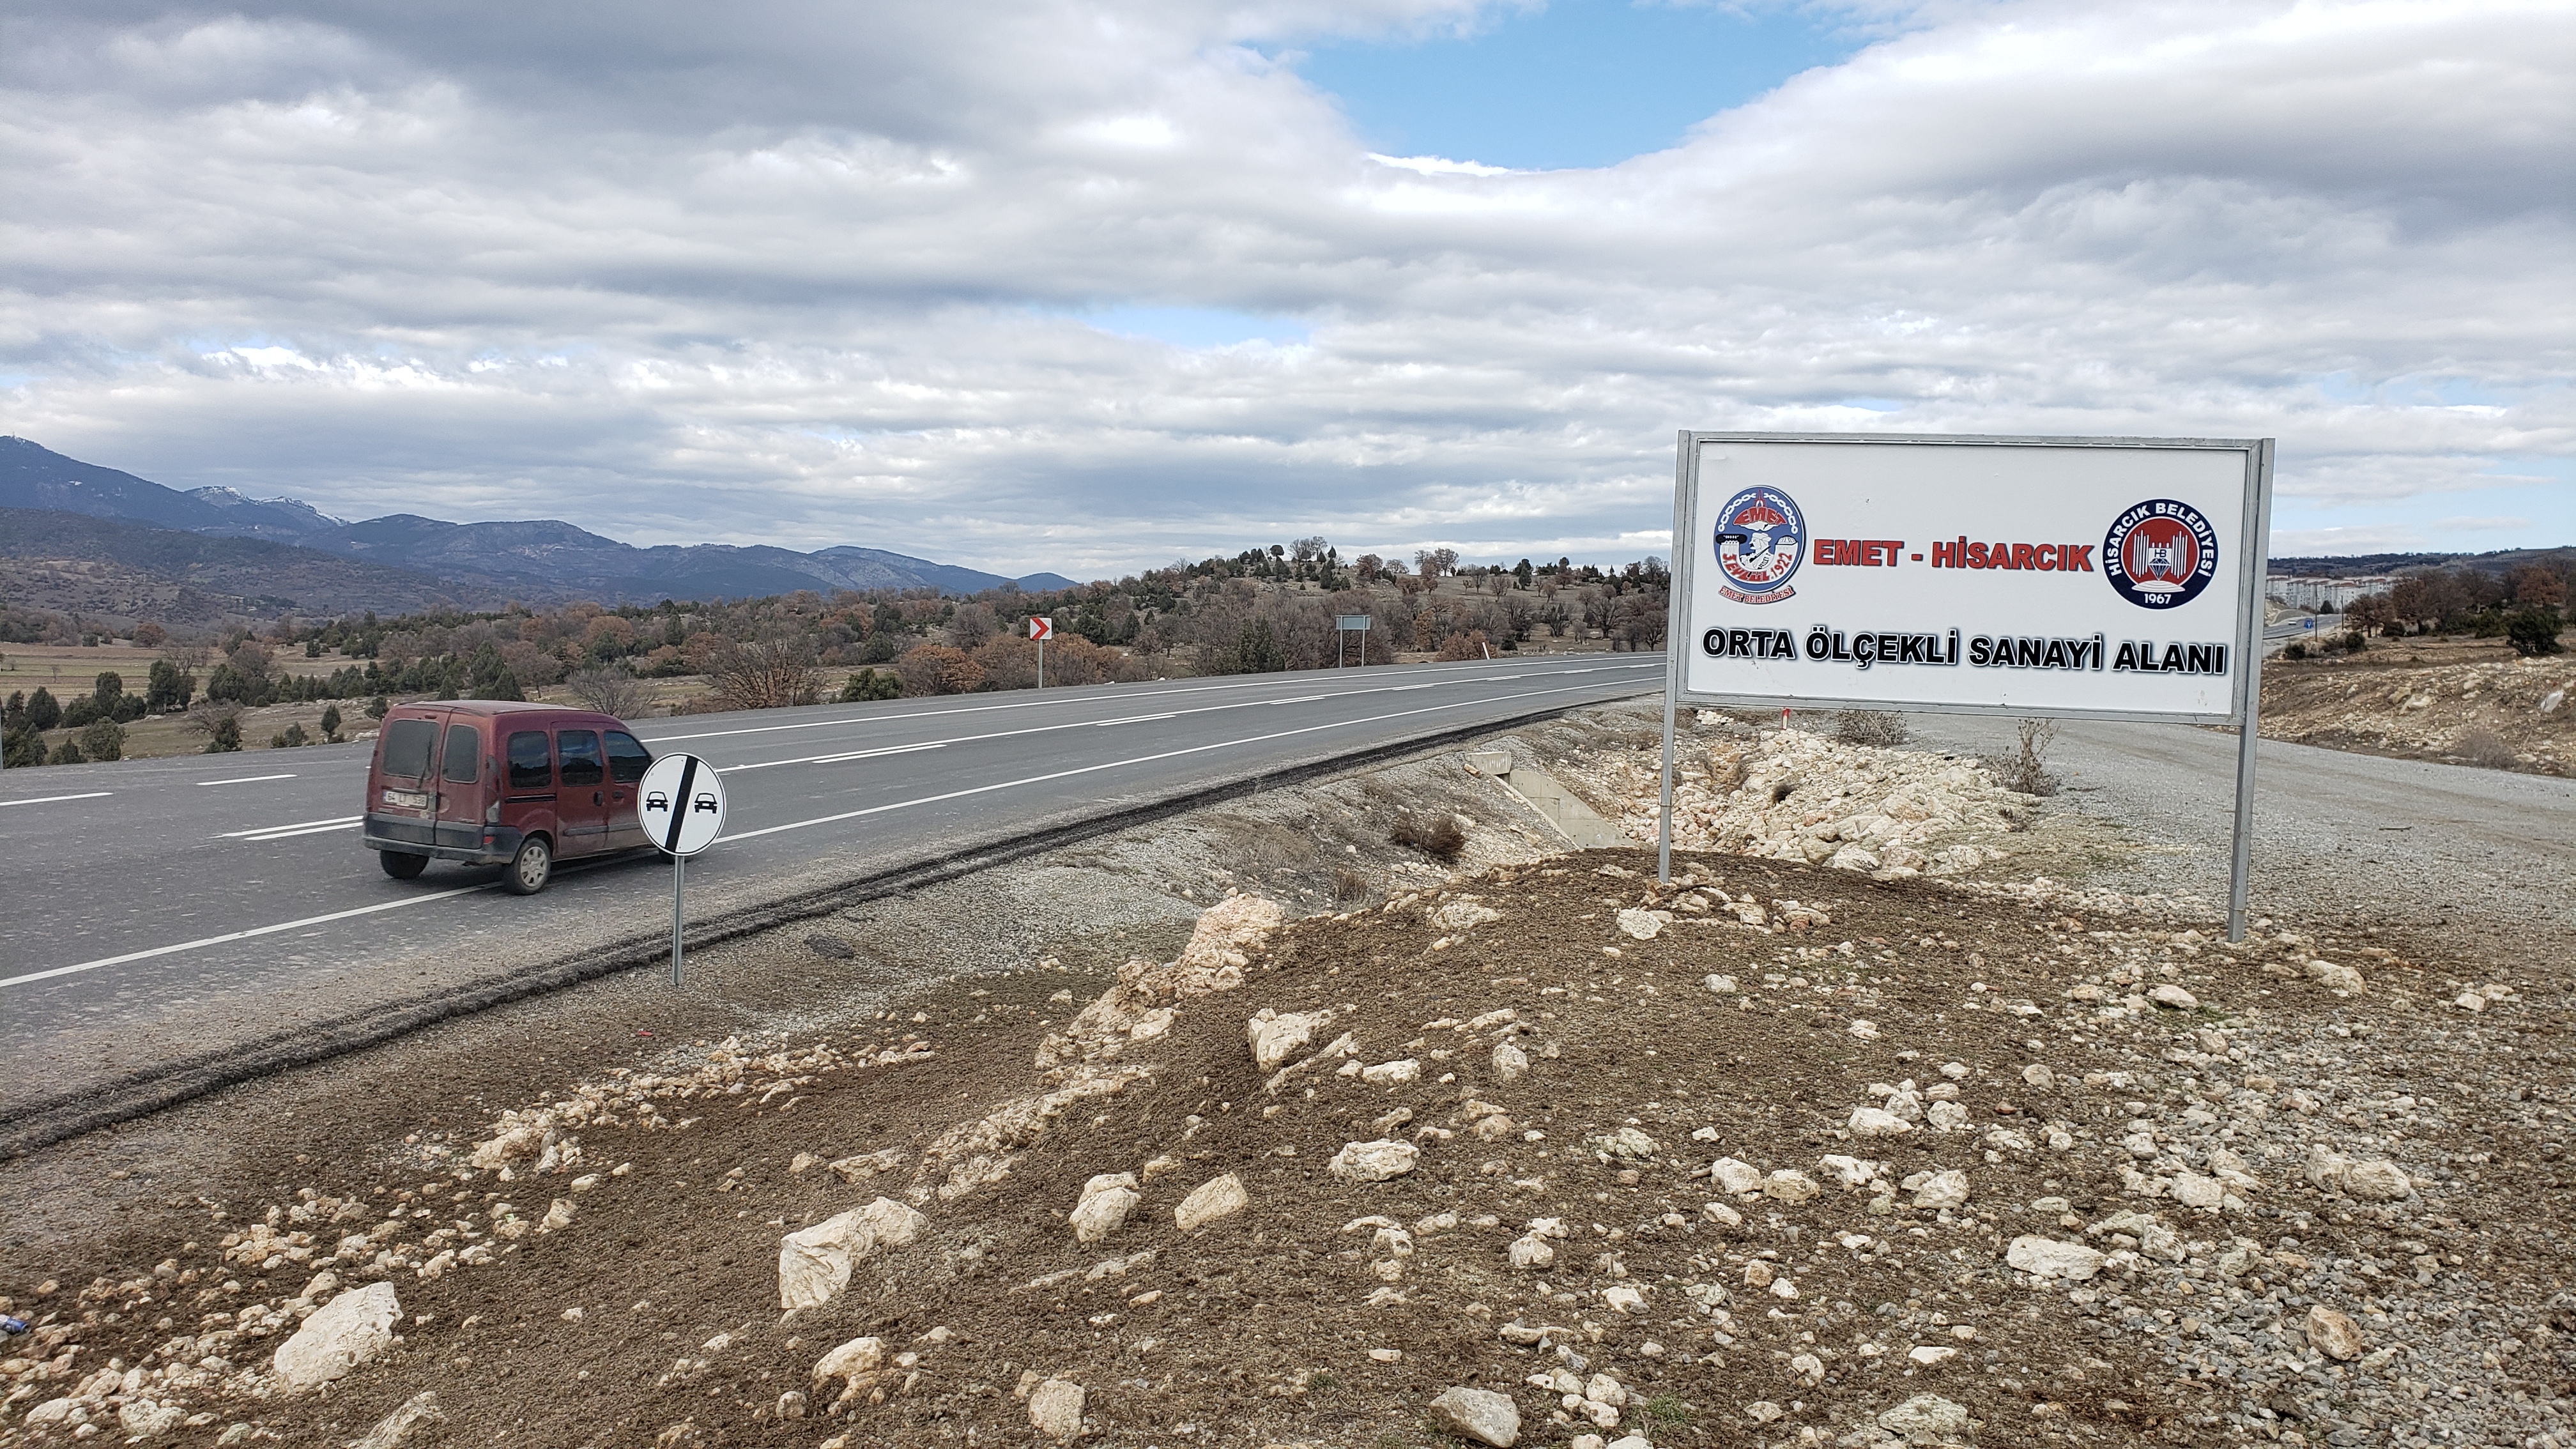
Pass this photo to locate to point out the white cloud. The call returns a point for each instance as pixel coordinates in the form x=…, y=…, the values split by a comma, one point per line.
x=792, y=277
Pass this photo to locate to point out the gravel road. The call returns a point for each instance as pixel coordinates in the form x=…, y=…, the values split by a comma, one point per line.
x=2343, y=837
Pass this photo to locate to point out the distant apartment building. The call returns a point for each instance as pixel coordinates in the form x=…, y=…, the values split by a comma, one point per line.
x=2318, y=594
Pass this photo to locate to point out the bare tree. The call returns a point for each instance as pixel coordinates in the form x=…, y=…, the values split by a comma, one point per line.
x=610, y=690
x=765, y=673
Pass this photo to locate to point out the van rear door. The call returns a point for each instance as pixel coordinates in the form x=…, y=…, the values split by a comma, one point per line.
x=404, y=805
x=464, y=775
x=581, y=801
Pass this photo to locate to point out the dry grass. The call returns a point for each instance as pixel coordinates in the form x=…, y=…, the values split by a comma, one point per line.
x=1434, y=833
x=1884, y=728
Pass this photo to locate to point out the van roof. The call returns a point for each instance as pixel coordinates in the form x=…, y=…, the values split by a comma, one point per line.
x=499, y=707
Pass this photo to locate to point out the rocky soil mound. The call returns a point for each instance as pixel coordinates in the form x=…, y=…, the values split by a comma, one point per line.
x=1797, y=795
x=1780, y=1155
x=2463, y=702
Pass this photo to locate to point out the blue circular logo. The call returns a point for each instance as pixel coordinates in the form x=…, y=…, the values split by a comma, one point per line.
x=1761, y=540
x=2160, y=554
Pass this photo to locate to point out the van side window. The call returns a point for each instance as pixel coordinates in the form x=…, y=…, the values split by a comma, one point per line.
x=627, y=758
x=577, y=757
x=531, y=762
x=407, y=746
x=464, y=754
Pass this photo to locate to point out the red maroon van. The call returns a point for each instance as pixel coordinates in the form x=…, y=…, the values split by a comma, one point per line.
x=486, y=782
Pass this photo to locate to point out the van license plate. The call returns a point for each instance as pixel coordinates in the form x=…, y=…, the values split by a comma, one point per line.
x=412, y=799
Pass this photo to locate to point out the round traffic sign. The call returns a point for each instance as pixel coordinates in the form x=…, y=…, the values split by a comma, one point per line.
x=682, y=804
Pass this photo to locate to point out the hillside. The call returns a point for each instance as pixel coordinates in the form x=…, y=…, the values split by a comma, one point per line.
x=537, y=560
x=114, y=569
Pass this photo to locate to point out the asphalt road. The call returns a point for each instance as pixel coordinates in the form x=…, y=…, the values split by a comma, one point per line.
x=2338, y=835
x=161, y=909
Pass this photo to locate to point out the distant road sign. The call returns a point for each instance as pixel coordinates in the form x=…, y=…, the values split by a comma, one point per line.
x=1041, y=629
x=1356, y=622
x=682, y=804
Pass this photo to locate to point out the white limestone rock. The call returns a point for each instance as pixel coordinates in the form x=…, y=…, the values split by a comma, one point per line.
x=1218, y=1197
x=1374, y=1161
x=342, y=1334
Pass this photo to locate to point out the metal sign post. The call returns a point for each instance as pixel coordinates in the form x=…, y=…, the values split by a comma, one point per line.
x=1345, y=625
x=1041, y=629
x=2099, y=578
x=683, y=810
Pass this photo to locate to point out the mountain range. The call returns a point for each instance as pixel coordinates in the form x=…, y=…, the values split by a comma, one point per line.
x=412, y=557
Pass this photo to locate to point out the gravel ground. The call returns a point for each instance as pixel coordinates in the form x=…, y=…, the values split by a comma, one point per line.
x=2148, y=1188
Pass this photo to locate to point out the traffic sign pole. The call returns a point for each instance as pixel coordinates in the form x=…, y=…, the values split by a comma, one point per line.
x=1041, y=629
x=682, y=809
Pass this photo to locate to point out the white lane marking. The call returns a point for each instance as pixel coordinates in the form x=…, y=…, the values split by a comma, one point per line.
x=837, y=759
x=928, y=714
x=1138, y=760
x=297, y=825
x=1102, y=724
x=1218, y=707
x=50, y=799
x=266, y=836
x=243, y=935
x=246, y=780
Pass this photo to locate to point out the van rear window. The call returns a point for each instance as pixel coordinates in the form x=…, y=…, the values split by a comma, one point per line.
x=408, y=743
x=464, y=755
x=532, y=764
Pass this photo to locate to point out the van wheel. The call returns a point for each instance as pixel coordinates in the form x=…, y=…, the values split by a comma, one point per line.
x=530, y=868
x=402, y=866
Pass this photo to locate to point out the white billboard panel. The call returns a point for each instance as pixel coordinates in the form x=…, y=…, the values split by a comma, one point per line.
x=2061, y=576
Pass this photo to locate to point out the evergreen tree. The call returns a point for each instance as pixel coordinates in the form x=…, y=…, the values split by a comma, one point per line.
x=227, y=738
x=43, y=712
x=103, y=740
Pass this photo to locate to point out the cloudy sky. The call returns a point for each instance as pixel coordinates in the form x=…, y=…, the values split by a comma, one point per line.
x=1085, y=286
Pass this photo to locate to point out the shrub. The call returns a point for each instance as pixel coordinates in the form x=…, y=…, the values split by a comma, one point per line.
x=2533, y=630
x=1884, y=728
x=2484, y=749
x=869, y=684
x=2354, y=643
x=2296, y=650
x=331, y=723
x=609, y=689
x=937, y=669
x=69, y=753
x=765, y=673
x=226, y=738
x=377, y=706
x=21, y=747
x=43, y=710
x=1435, y=833
x=1349, y=886
x=2026, y=770
x=293, y=737
x=104, y=739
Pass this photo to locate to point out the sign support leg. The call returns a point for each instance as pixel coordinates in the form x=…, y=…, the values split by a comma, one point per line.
x=2249, y=704
x=1664, y=839
x=679, y=871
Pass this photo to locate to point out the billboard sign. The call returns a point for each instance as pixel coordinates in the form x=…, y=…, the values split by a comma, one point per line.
x=2108, y=577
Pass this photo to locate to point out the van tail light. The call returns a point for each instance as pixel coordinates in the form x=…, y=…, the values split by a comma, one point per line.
x=492, y=813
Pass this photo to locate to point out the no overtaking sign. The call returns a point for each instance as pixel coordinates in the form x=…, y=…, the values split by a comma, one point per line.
x=683, y=805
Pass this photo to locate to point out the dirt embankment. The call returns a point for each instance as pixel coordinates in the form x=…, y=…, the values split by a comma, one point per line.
x=1780, y=1155
x=2462, y=701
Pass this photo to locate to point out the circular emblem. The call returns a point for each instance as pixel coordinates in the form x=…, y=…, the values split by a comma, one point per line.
x=1761, y=539
x=2160, y=553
